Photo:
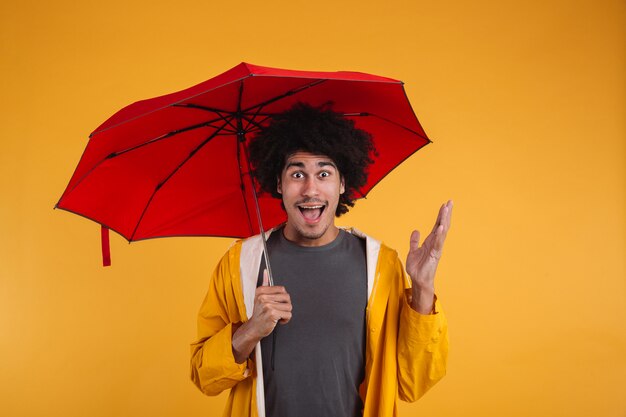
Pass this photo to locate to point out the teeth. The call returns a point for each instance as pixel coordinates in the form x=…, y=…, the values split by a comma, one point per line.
x=310, y=207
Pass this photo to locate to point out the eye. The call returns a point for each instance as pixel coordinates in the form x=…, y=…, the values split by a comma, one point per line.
x=324, y=174
x=297, y=174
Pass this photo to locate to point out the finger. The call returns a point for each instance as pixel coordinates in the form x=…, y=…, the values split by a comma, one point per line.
x=415, y=241
x=285, y=319
x=275, y=320
x=266, y=278
x=440, y=237
x=277, y=289
x=448, y=221
x=283, y=304
x=442, y=231
x=282, y=307
x=277, y=316
x=273, y=298
x=439, y=217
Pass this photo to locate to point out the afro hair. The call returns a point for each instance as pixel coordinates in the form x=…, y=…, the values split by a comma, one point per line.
x=320, y=131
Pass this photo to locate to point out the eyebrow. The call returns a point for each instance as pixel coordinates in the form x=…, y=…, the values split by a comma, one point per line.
x=320, y=164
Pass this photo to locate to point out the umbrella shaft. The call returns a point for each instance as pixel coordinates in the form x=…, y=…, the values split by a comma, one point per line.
x=241, y=133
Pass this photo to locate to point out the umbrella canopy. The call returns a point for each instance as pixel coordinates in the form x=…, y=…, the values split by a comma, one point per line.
x=176, y=165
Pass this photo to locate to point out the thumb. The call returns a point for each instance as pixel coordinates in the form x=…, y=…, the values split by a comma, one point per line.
x=415, y=241
x=266, y=278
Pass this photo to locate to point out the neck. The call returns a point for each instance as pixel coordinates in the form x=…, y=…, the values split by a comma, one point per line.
x=303, y=239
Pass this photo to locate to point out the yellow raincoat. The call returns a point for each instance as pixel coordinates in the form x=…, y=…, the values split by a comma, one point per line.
x=405, y=355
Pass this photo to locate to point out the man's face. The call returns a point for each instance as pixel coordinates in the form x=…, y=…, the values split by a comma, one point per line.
x=310, y=186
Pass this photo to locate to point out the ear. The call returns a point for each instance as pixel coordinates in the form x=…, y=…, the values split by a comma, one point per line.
x=279, y=187
x=342, y=189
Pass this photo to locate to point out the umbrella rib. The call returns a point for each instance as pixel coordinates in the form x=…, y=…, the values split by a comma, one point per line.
x=149, y=142
x=254, y=116
x=229, y=120
x=284, y=95
x=254, y=129
x=394, y=167
x=248, y=122
x=171, y=174
x=208, y=123
x=257, y=124
x=388, y=121
x=161, y=108
x=257, y=106
x=219, y=112
x=201, y=107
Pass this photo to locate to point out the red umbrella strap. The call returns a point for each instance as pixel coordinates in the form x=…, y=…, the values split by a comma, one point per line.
x=106, y=248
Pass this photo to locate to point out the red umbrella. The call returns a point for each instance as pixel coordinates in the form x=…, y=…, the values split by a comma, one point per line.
x=176, y=165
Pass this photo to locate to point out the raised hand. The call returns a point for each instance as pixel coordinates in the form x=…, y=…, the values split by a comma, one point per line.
x=422, y=261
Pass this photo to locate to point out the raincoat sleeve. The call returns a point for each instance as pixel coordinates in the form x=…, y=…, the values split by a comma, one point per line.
x=422, y=347
x=213, y=366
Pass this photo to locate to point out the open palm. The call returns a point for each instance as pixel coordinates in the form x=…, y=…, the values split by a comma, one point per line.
x=422, y=261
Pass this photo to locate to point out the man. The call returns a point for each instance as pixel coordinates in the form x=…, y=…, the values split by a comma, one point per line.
x=355, y=333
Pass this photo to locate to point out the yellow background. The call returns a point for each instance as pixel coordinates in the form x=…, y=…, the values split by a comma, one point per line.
x=525, y=103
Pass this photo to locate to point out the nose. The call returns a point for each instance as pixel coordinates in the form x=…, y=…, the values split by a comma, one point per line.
x=310, y=187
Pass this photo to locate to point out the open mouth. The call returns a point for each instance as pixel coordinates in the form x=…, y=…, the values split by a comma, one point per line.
x=312, y=213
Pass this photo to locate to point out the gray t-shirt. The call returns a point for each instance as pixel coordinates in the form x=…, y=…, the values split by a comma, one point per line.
x=319, y=359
